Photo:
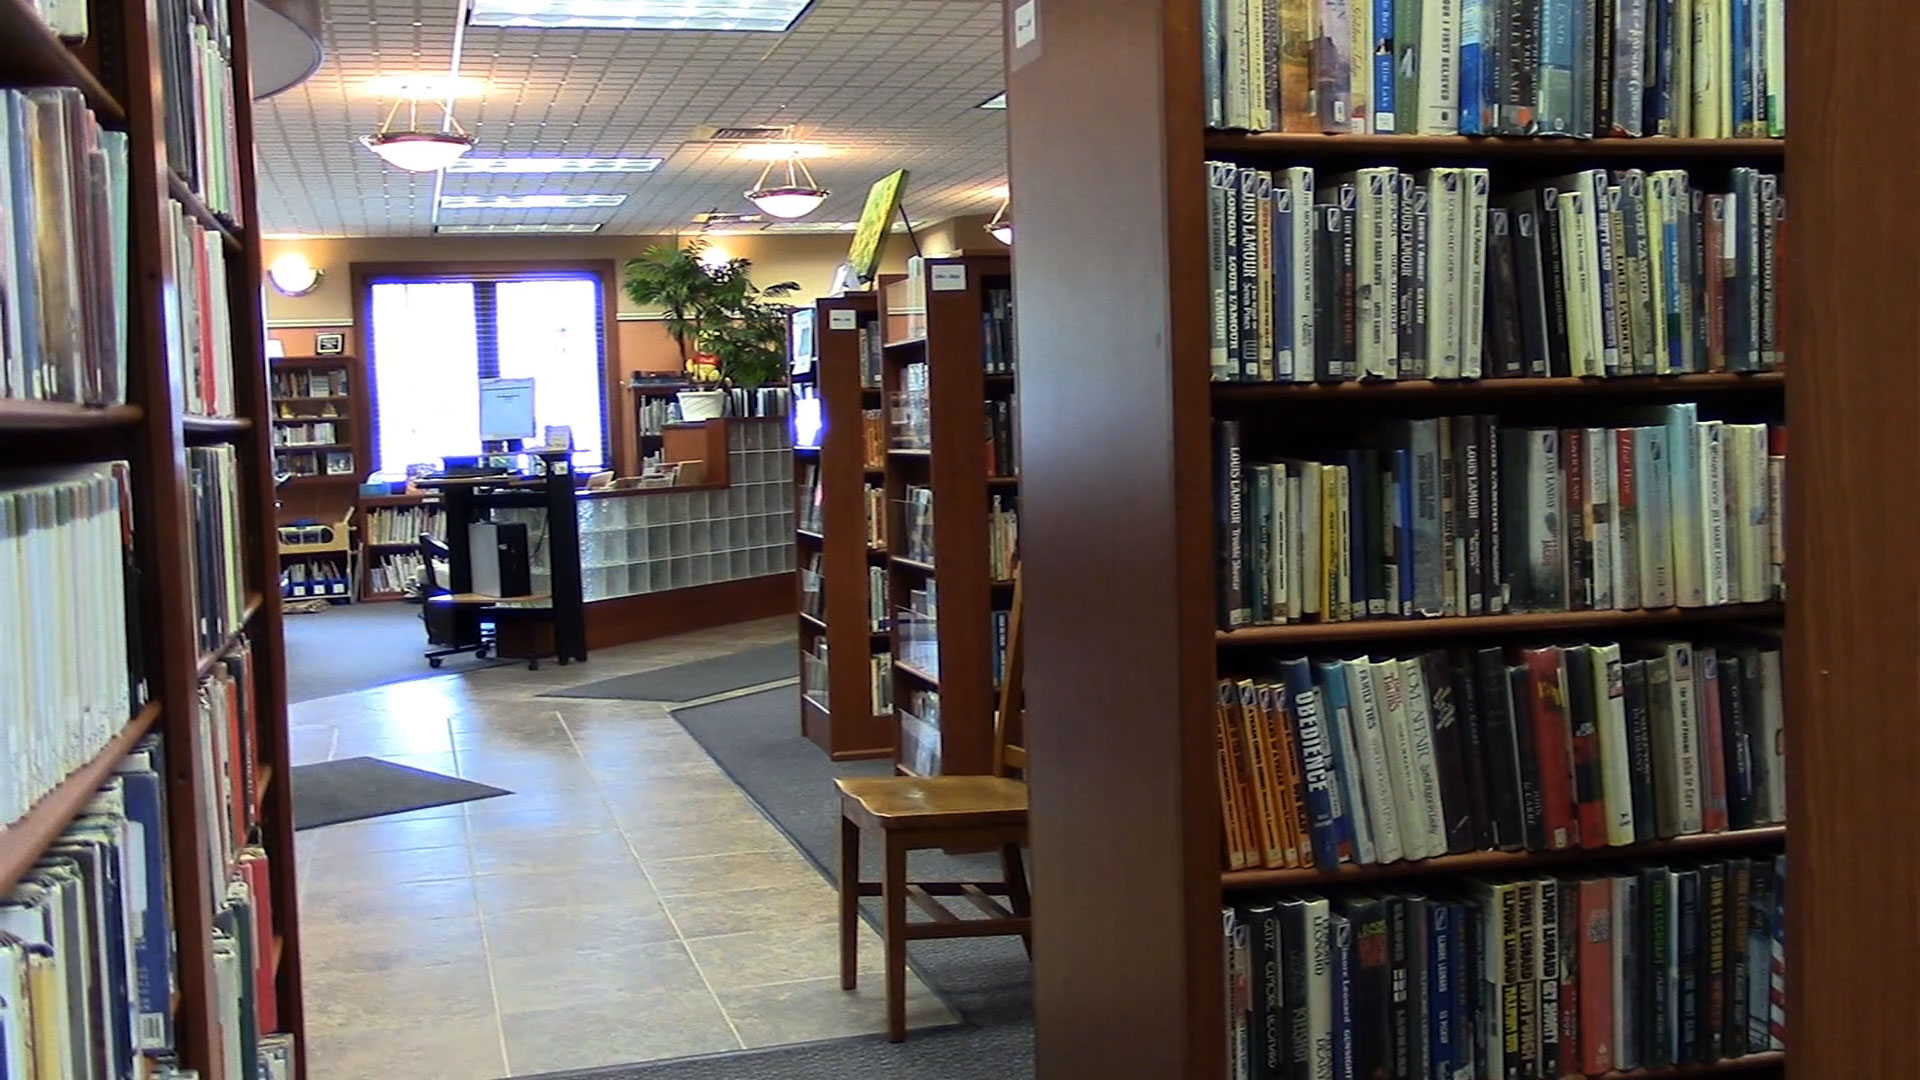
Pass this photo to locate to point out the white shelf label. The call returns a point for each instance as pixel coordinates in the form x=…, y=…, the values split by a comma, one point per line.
x=949, y=277
x=1026, y=25
x=843, y=319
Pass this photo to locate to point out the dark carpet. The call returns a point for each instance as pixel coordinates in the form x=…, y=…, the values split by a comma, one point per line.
x=755, y=738
x=356, y=788
x=700, y=679
x=358, y=646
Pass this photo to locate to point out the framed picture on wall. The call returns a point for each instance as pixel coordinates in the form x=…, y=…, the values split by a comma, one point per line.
x=329, y=344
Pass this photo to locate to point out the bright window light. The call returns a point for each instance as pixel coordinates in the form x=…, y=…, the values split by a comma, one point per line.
x=555, y=165
x=521, y=227
x=773, y=16
x=997, y=101
x=527, y=202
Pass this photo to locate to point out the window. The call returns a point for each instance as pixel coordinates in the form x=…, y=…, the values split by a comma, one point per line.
x=434, y=339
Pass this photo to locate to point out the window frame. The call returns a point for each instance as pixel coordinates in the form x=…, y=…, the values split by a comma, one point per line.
x=605, y=271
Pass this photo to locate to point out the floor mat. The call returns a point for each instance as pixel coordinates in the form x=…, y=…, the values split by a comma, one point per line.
x=353, y=789
x=756, y=739
x=700, y=679
x=360, y=646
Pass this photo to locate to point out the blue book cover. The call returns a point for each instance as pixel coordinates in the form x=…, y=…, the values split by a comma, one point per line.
x=1740, y=61
x=1557, y=44
x=1473, y=67
x=1440, y=989
x=1345, y=1057
x=1383, y=67
x=1464, y=981
x=1356, y=841
x=153, y=936
x=1316, y=762
x=1283, y=315
x=1403, y=526
x=1671, y=252
x=1213, y=38
x=1660, y=90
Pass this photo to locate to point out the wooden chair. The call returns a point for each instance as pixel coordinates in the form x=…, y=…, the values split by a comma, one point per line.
x=951, y=812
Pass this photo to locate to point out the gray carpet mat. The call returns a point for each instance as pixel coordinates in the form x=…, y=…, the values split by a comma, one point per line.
x=700, y=679
x=360, y=646
x=353, y=789
x=756, y=740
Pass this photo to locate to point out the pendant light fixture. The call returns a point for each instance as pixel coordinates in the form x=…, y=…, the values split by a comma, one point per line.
x=1001, y=227
x=799, y=196
x=415, y=150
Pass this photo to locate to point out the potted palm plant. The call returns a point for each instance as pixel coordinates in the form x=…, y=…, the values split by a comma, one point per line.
x=726, y=327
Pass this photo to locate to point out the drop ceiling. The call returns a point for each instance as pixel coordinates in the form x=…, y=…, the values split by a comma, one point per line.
x=882, y=84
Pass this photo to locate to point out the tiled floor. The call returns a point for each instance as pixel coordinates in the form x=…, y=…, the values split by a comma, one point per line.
x=626, y=903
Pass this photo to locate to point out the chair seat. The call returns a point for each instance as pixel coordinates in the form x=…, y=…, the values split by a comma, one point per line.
x=912, y=802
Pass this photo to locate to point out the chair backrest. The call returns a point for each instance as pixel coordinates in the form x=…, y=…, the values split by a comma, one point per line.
x=431, y=548
x=1009, y=720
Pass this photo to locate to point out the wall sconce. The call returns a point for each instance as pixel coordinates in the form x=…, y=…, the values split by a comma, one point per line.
x=293, y=275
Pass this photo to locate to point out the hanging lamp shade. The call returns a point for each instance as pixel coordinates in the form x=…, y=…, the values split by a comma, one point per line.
x=1001, y=227
x=415, y=150
x=797, y=198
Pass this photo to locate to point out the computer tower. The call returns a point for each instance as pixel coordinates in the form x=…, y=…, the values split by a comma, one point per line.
x=498, y=555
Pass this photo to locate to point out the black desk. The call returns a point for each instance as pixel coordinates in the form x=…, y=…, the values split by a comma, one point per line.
x=466, y=499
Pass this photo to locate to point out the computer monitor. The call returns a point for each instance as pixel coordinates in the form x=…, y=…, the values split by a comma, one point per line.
x=506, y=410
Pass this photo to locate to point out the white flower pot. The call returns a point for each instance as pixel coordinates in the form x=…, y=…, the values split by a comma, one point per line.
x=702, y=404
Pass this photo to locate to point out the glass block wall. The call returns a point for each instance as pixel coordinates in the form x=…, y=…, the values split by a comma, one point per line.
x=637, y=544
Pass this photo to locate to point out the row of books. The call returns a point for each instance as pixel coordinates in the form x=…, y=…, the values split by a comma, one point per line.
x=307, y=433
x=227, y=747
x=295, y=461
x=656, y=413
x=1003, y=437
x=1464, y=516
x=1003, y=538
x=880, y=682
x=296, y=383
x=309, y=578
x=395, y=572
x=199, y=323
x=1530, y=979
x=873, y=435
x=876, y=516
x=63, y=250
x=1001, y=350
x=219, y=585
x=1368, y=761
x=813, y=584
x=70, y=677
x=911, y=410
x=1705, y=69
x=812, y=517
x=404, y=524
x=870, y=354
x=1384, y=274
x=201, y=136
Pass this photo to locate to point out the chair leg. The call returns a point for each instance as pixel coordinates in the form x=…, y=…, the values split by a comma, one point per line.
x=1017, y=894
x=895, y=890
x=849, y=903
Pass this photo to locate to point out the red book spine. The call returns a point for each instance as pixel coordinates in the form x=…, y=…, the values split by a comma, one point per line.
x=1553, y=747
x=266, y=969
x=1596, y=976
x=1626, y=510
x=1576, y=524
x=1713, y=770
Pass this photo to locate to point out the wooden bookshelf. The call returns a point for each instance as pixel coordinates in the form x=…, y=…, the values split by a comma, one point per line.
x=367, y=553
x=938, y=323
x=117, y=70
x=1118, y=536
x=349, y=412
x=852, y=725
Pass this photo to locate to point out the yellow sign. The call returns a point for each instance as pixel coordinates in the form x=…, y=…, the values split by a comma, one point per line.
x=883, y=201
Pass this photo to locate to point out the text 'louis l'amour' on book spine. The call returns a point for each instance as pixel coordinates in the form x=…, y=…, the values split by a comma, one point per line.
x=1703, y=69
x=1466, y=516
x=1538, y=977
x=1375, y=759
x=1449, y=273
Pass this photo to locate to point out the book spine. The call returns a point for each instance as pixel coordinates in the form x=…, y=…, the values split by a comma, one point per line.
x=1589, y=785
x=1319, y=977
x=1217, y=268
x=1733, y=1021
x=1316, y=764
x=1547, y=954
x=1333, y=65
x=1400, y=1022
x=1552, y=745
x=1300, y=186
x=1234, y=609
x=1267, y=1039
x=1440, y=67
x=1556, y=67
x=1626, y=507
x=1247, y=251
x=1410, y=279
x=1377, y=236
x=1596, y=978
x=1475, y=193
x=1441, y=997
x=1346, y=1050
x=1473, y=64
x=1426, y=767
x=1376, y=755
x=1446, y=227
x=1470, y=513
x=1360, y=67
x=1686, y=735
x=1503, y=761
x=1213, y=60
x=1298, y=88
x=1382, y=51
x=1713, y=756
x=1356, y=832
x=1290, y=790
x=1408, y=800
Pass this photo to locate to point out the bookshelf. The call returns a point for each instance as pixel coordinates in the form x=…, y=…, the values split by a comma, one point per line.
x=186, y=421
x=321, y=427
x=840, y=709
x=938, y=397
x=383, y=539
x=1123, y=642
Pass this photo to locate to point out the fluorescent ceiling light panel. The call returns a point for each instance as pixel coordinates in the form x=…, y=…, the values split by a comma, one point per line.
x=424, y=87
x=527, y=202
x=771, y=16
x=997, y=101
x=814, y=226
x=781, y=151
x=555, y=165
x=475, y=230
